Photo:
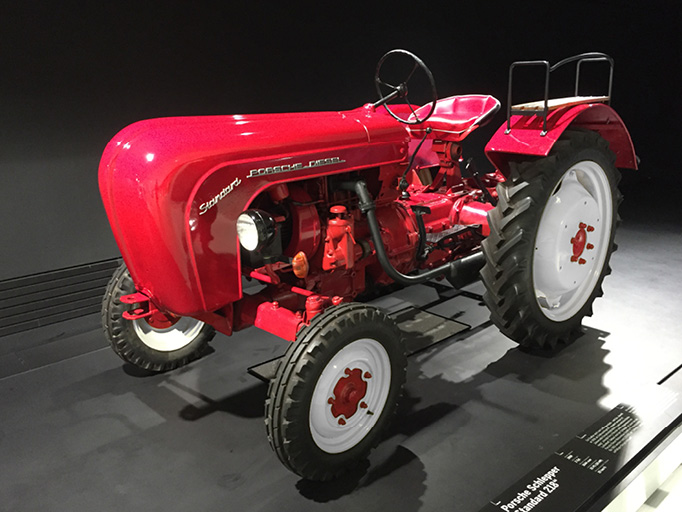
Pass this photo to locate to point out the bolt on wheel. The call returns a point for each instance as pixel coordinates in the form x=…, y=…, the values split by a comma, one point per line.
x=164, y=335
x=350, y=395
x=552, y=235
x=335, y=390
x=572, y=240
x=160, y=342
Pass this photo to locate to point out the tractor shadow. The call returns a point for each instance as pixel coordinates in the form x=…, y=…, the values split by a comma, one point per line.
x=446, y=379
x=441, y=387
x=451, y=384
x=140, y=373
x=374, y=480
x=247, y=403
x=433, y=413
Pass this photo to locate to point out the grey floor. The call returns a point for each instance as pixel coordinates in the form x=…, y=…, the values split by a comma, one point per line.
x=80, y=431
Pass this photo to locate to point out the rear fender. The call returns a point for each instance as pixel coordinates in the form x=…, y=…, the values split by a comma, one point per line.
x=525, y=139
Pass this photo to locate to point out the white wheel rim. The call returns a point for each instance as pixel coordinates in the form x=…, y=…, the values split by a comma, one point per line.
x=338, y=433
x=572, y=241
x=175, y=337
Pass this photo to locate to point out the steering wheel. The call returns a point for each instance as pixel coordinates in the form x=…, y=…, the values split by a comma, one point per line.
x=401, y=91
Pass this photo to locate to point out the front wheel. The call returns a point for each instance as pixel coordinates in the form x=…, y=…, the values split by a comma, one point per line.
x=552, y=235
x=335, y=390
x=159, y=343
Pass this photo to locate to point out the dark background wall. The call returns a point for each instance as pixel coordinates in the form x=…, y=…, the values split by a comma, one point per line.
x=73, y=73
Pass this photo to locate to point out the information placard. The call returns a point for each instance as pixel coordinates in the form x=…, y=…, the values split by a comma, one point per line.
x=591, y=463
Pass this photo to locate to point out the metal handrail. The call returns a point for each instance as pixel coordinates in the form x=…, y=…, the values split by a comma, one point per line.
x=583, y=57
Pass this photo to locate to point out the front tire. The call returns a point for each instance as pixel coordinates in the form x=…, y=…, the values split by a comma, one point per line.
x=552, y=235
x=157, y=346
x=335, y=391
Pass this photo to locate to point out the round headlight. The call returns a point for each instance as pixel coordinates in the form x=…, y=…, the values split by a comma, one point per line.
x=255, y=229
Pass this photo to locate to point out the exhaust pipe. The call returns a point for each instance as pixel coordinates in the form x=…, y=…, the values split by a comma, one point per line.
x=466, y=270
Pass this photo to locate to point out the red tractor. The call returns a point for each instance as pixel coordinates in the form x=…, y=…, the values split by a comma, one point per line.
x=322, y=208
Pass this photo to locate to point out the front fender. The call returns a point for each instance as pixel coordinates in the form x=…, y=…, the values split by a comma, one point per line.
x=525, y=137
x=173, y=188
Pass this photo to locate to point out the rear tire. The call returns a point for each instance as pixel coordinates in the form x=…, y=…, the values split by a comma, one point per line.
x=139, y=343
x=552, y=235
x=335, y=391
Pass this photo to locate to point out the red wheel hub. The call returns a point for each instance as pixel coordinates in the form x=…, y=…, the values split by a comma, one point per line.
x=579, y=242
x=161, y=320
x=348, y=393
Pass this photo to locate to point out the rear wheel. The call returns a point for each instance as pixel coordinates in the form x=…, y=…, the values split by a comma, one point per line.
x=158, y=343
x=335, y=391
x=551, y=240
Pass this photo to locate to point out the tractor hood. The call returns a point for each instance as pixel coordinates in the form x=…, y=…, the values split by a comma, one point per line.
x=173, y=187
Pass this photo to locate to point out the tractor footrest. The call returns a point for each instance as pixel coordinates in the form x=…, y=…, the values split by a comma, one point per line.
x=265, y=371
x=421, y=329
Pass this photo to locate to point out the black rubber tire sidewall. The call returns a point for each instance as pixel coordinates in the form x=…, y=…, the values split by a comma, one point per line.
x=508, y=273
x=291, y=391
x=127, y=344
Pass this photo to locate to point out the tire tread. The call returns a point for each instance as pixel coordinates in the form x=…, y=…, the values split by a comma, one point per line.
x=513, y=222
x=287, y=390
x=127, y=345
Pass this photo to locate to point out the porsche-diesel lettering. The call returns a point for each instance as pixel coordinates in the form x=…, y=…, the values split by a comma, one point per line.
x=263, y=171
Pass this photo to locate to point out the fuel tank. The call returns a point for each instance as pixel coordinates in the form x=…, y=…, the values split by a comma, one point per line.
x=173, y=188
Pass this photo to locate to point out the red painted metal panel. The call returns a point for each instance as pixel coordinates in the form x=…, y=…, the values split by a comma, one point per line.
x=525, y=136
x=173, y=188
x=278, y=320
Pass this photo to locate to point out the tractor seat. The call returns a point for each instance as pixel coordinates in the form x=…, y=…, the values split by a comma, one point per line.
x=455, y=117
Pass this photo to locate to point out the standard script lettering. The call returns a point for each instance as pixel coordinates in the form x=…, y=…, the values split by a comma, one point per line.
x=204, y=207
